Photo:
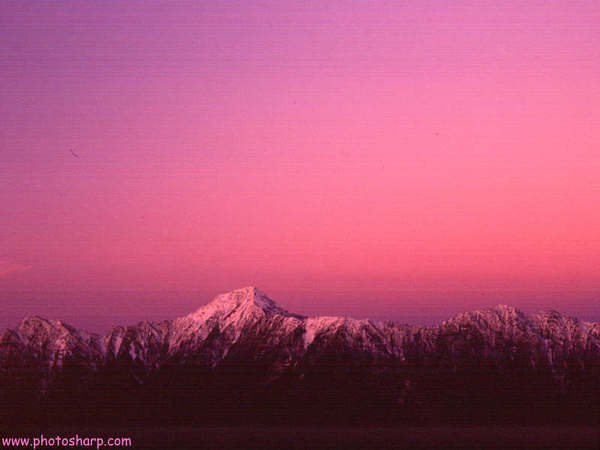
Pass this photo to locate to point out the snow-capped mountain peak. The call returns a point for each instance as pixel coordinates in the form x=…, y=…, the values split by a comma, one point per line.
x=247, y=300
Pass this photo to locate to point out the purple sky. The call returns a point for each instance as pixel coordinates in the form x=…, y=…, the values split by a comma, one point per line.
x=392, y=160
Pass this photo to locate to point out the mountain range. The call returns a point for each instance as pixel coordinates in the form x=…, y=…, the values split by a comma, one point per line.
x=242, y=358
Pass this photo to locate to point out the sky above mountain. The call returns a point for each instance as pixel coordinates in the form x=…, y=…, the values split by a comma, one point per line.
x=400, y=160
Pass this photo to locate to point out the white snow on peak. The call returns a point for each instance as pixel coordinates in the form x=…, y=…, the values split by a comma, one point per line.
x=230, y=314
x=247, y=298
x=55, y=339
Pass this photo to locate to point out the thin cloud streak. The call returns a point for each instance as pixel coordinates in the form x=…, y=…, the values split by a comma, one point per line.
x=9, y=267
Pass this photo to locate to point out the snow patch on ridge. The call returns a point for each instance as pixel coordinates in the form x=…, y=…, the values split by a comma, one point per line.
x=316, y=325
x=310, y=330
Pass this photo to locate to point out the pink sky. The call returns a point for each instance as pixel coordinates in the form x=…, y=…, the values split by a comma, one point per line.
x=392, y=160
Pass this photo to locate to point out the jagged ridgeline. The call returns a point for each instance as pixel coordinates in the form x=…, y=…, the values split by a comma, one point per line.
x=243, y=359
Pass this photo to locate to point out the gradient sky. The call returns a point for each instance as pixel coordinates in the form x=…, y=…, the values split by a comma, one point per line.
x=391, y=160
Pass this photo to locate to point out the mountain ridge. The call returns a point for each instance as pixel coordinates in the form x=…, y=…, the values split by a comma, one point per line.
x=244, y=338
x=253, y=297
x=232, y=312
